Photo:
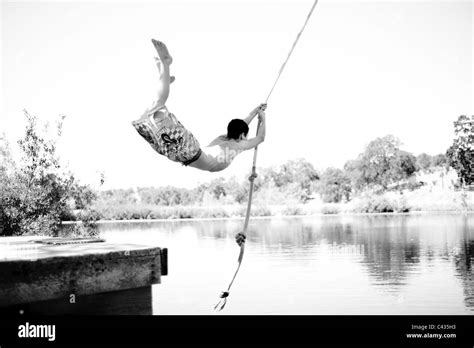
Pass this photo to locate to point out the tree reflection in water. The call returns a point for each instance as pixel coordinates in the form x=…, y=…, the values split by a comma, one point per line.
x=393, y=249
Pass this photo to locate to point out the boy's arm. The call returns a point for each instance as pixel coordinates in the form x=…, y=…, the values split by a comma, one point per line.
x=254, y=113
x=259, y=138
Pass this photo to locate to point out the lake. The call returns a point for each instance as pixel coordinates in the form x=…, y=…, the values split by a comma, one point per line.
x=341, y=265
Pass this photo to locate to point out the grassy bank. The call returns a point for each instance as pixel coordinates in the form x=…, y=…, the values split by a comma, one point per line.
x=391, y=202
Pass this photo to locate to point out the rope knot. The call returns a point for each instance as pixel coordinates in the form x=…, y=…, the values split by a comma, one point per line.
x=221, y=304
x=253, y=176
x=224, y=294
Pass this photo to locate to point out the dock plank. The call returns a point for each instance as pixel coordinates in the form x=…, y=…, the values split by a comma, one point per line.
x=32, y=272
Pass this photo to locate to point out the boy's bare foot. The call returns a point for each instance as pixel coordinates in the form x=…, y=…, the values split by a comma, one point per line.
x=162, y=50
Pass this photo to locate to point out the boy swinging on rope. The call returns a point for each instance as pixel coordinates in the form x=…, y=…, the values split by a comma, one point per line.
x=168, y=137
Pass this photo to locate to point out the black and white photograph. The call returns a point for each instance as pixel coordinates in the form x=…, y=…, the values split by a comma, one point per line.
x=235, y=163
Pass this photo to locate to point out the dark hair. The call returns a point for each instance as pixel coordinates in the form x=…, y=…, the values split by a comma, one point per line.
x=236, y=127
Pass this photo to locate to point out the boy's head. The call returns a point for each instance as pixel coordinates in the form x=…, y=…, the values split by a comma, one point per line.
x=237, y=129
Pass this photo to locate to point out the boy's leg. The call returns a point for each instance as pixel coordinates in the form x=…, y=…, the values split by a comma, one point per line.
x=163, y=62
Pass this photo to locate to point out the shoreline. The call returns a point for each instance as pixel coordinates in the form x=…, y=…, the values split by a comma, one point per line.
x=421, y=201
x=342, y=214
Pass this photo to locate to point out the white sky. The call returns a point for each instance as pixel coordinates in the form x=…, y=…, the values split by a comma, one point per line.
x=361, y=70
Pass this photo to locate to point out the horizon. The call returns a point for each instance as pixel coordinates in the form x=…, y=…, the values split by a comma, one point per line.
x=409, y=62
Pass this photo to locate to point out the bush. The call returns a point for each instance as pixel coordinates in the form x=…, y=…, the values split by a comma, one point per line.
x=87, y=226
x=293, y=210
x=371, y=203
x=257, y=210
x=261, y=211
x=401, y=205
x=155, y=212
x=214, y=212
x=330, y=209
x=160, y=213
x=374, y=204
x=36, y=193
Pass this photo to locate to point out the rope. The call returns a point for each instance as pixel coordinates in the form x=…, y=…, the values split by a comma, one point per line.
x=292, y=48
x=223, y=297
x=221, y=304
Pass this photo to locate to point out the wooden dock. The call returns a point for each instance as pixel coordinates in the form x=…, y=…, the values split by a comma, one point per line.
x=43, y=275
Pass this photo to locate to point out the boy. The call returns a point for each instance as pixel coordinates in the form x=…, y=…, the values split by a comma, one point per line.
x=168, y=137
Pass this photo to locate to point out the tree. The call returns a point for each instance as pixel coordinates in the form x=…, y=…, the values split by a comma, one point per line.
x=297, y=172
x=354, y=170
x=217, y=188
x=403, y=166
x=460, y=154
x=334, y=185
x=238, y=190
x=423, y=161
x=36, y=193
x=381, y=164
x=6, y=160
x=429, y=163
x=439, y=160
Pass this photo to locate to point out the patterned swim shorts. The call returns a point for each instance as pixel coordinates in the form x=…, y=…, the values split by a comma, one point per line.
x=169, y=138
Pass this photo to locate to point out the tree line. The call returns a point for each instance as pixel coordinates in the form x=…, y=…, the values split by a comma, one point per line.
x=379, y=167
x=37, y=193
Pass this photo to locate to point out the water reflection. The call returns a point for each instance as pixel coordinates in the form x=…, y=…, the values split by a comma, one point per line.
x=407, y=255
x=463, y=260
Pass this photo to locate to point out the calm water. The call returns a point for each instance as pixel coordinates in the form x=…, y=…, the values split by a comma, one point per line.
x=408, y=264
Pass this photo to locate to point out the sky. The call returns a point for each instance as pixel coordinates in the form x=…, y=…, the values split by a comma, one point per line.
x=361, y=70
